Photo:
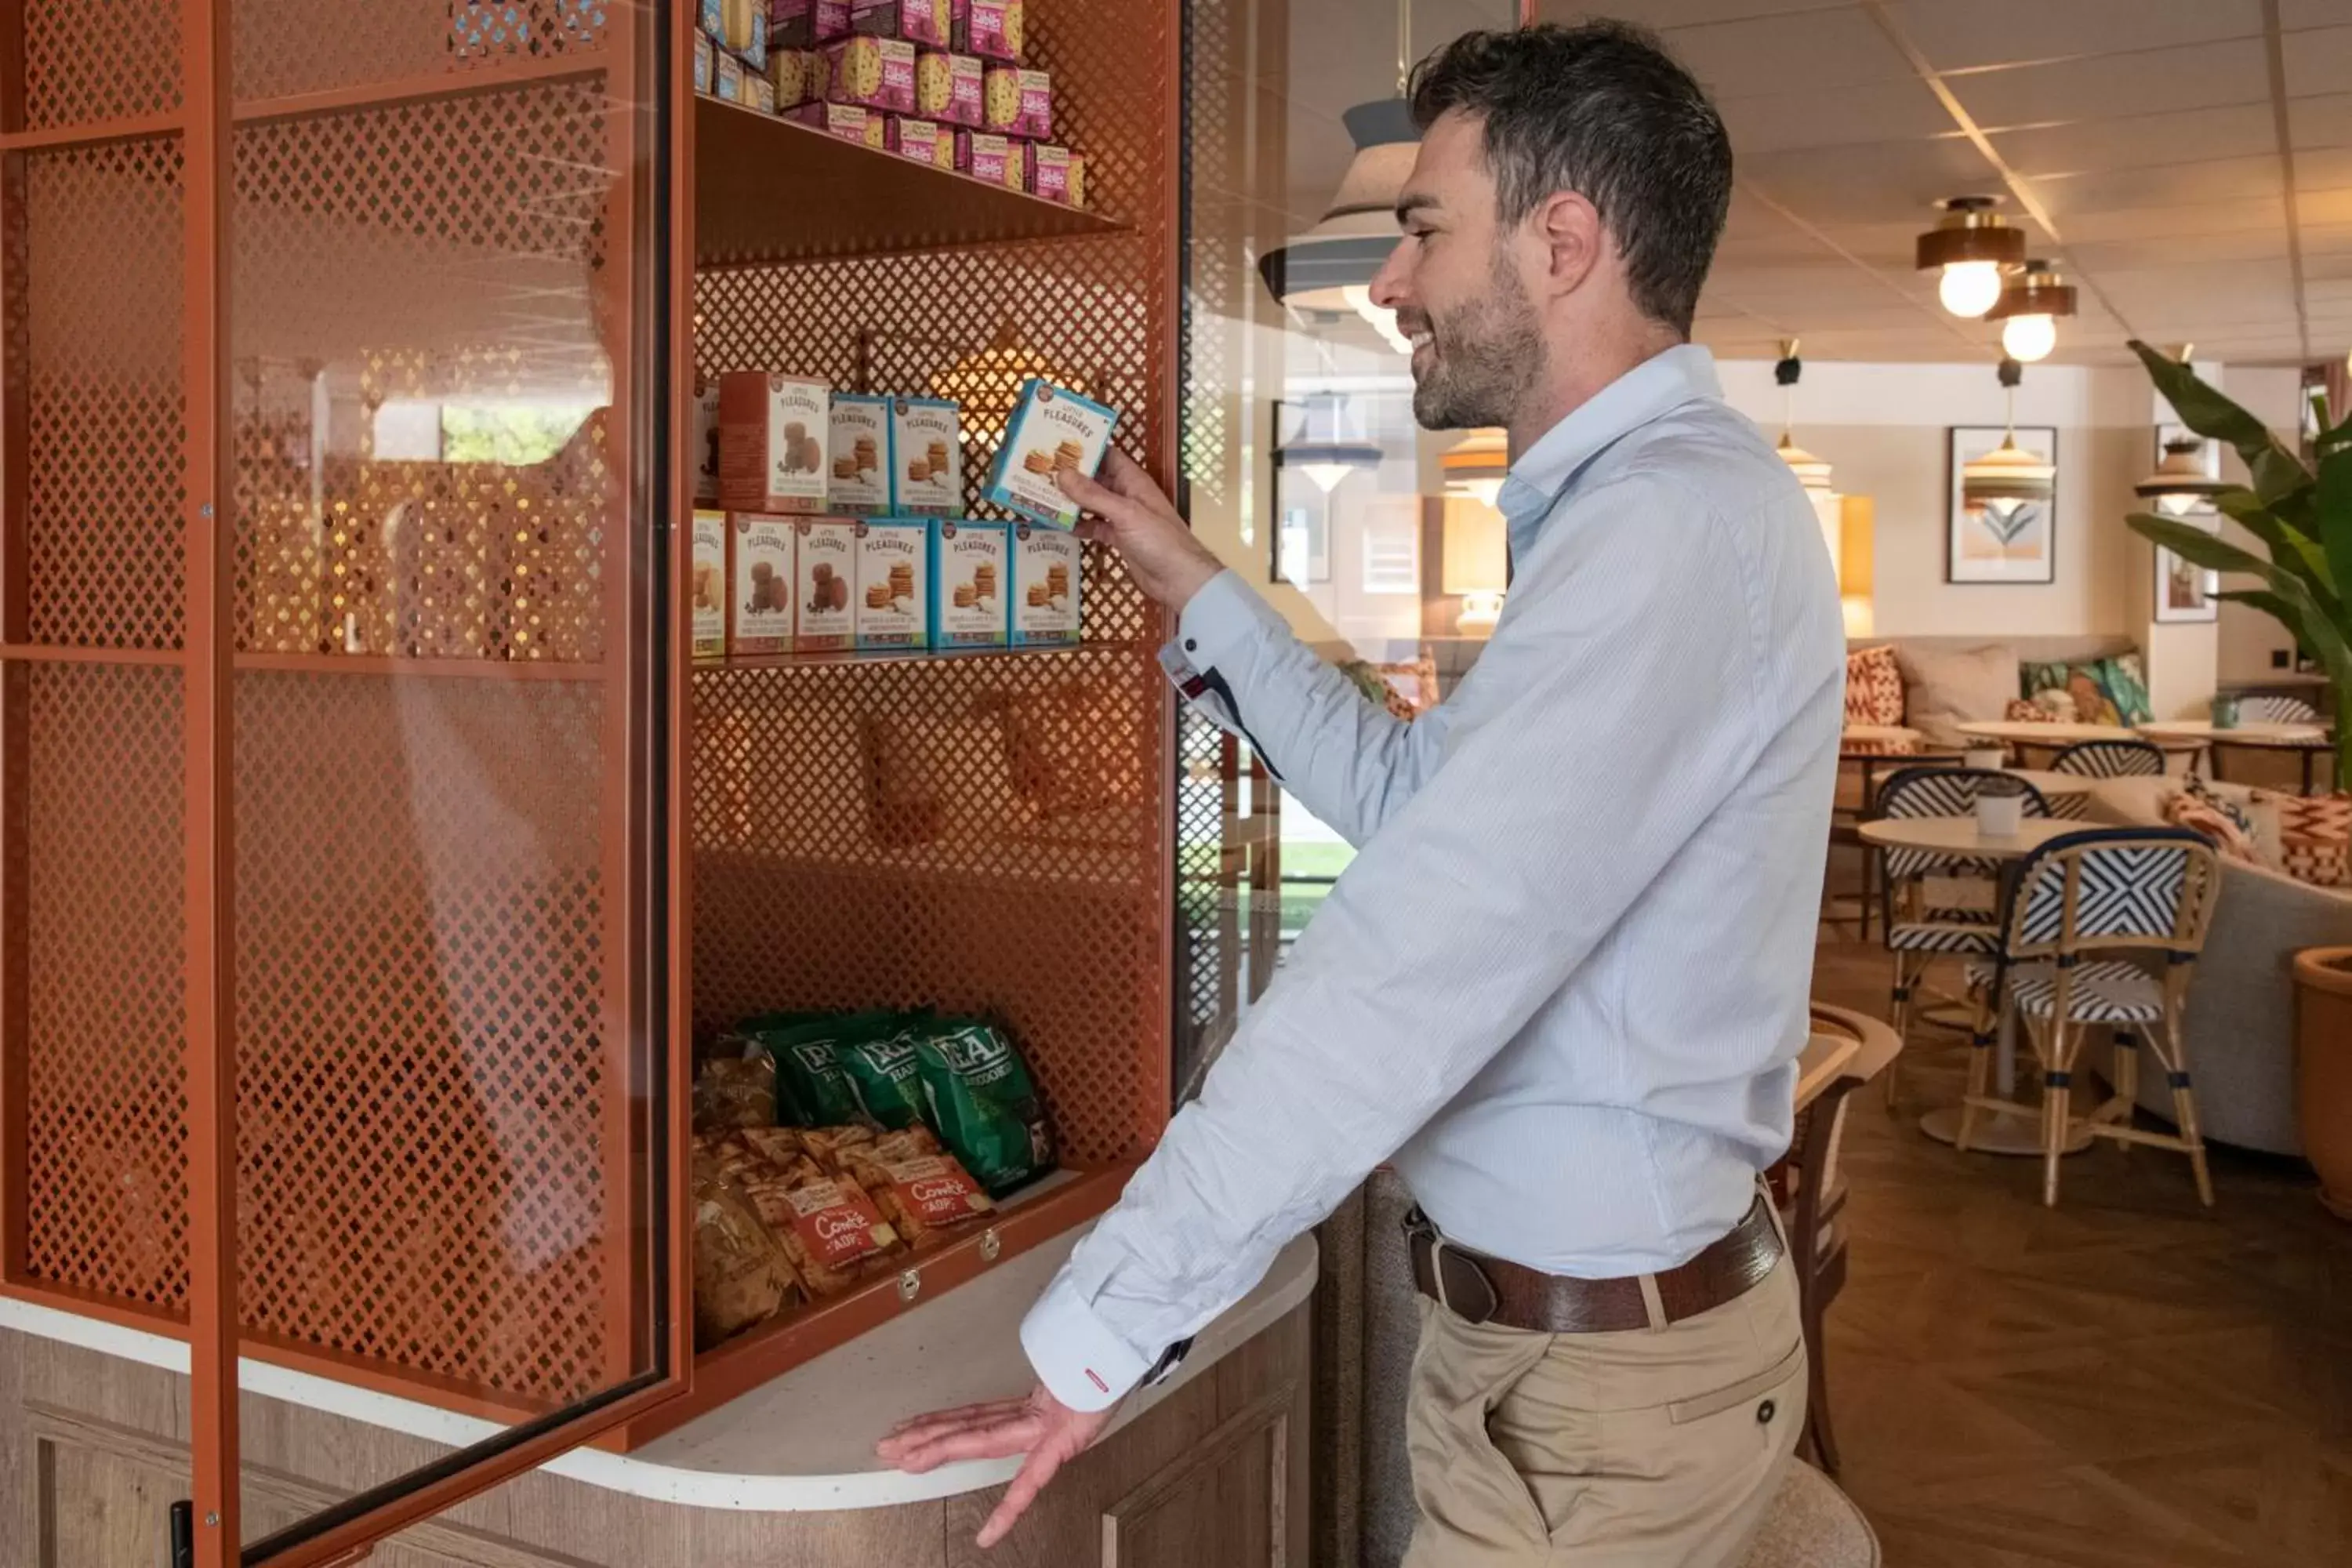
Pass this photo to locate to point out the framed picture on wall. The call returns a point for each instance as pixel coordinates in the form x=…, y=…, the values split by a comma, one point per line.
x=2004, y=539
x=2183, y=591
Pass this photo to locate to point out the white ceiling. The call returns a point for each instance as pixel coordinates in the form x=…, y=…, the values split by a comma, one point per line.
x=2187, y=162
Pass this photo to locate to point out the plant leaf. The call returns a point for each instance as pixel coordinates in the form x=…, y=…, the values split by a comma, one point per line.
x=2244, y=506
x=2268, y=603
x=2280, y=478
x=2194, y=545
x=2331, y=506
x=2203, y=409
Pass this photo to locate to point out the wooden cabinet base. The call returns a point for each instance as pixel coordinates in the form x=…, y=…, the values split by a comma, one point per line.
x=93, y=1449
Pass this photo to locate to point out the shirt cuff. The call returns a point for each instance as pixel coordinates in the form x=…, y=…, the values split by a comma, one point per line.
x=1078, y=1359
x=1223, y=619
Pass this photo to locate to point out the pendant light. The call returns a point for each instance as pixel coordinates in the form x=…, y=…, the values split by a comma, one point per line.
x=1811, y=472
x=2031, y=307
x=2181, y=484
x=1330, y=268
x=1324, y=450
x=2009, y=476
x=1477, y=467
x=1972, y=248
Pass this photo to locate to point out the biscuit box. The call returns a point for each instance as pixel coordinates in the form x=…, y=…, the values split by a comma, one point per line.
x=1048, y=573
x=804, y=24
x=738, y=27
x=704, y=69
x=1056, y=174
x=949, y=88
x=858, y=480
x=1052, y=429
x=761, y=579
x=920, y=141
x=845, y=121
x=706, y=440
x=892, y=598
x=927, y=463
x=1018, y=102
x=826, y=570
x=727, y=80
x=771, y=441
x=873, y=73
x=796, y=75
x=971, y=567
x=707, y=585
x=989, y=27
x=759, y=92
x=994, y=159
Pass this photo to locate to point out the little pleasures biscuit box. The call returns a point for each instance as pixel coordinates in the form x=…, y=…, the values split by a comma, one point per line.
x=892, y=600
x=859, y=483
x=1052, y=429
x=773, y=432
x=927, y=457
x=826, y=564
x=972, y=568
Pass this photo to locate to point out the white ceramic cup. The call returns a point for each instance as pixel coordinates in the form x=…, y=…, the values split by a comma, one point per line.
x=1999, y=816
x=1988, y=757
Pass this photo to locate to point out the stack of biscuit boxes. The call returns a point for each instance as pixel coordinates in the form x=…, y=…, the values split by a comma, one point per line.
x=943, y=82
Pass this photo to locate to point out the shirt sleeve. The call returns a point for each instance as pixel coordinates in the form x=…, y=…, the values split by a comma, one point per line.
x=1619, y=713
x=1348, y=761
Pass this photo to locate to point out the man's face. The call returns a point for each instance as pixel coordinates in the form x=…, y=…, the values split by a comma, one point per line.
x=1454, y=283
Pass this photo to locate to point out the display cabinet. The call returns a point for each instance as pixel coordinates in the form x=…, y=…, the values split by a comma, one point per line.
x=371, y=853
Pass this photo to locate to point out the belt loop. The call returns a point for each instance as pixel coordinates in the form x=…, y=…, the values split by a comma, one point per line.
x=1653, y=1303
x=1437, y=1268
x=1772, y=1212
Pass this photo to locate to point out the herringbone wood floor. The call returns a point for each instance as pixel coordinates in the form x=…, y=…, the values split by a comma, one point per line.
x=2128, y=1380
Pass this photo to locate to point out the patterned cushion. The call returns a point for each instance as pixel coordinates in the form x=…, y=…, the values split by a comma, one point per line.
x=1926, y=936
x=2102, y=992
x=2224, y=824
x=2315, y=838
x=1873, y=686
x=2110, y=691
x=2022, y=710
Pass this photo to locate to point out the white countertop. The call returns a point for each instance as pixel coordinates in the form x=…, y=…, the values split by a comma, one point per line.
x=803, y=1442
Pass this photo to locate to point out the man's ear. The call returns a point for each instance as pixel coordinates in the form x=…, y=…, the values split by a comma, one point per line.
x=1568, y=229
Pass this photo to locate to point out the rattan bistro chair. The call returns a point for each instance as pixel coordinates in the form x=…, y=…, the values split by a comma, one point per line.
x=1917, y=931
x=2109, y=760
x=2086, y=917
x=2277, y=710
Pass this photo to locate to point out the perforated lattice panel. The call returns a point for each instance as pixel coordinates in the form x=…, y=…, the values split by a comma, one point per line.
x=94, y=307
x=977, y=833
x=421, y=972
x=99, y=835
x=88, y=60
x=393, y=264
x=285, y=47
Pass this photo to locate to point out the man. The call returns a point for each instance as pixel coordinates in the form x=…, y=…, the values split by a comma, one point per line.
x=1564, y=982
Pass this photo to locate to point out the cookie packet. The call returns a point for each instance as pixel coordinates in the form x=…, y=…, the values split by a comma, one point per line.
x=921, y=1189
x=742, y=1274
x=736, y=1088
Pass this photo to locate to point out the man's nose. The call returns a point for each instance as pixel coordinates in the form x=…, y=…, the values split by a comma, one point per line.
x=1389, y=290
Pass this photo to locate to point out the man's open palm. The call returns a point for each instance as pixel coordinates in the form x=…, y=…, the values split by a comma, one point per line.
x=1041, y=1427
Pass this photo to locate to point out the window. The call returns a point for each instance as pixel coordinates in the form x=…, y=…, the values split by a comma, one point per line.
x=1393, y=546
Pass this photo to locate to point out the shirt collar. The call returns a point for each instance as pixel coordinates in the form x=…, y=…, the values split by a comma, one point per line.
x=1545, y=470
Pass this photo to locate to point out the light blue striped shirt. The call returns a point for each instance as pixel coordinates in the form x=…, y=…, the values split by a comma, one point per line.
x=1563, y=984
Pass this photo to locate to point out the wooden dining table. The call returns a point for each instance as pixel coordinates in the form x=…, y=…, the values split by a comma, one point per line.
x=2310, y=741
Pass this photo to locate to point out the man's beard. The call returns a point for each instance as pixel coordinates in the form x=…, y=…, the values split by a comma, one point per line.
x=1485, y=357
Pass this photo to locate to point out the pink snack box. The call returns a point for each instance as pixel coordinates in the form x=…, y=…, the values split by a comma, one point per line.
x=989, y=27
x=921, y=141
x=1056, y=174
x=804, y=24
x=845, y=121
x=924, y=22
x=949, y=87
x=991, y=158
x=1018, y=102
x=874, y=73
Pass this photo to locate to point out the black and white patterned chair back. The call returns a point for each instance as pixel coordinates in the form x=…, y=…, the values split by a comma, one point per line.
x=1941, y=792
x=2109, y=760
x=2150, y=888
x=2277, y=710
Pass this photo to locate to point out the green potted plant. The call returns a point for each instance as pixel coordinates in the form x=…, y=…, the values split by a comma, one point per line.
x=2302, y=518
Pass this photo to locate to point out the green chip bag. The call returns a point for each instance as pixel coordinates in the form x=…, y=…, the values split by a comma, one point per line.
x=983, y=1103
x=810, y=1079
x=884, y=1073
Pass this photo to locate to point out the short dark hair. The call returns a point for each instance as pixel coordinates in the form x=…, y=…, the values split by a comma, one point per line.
x=1602, y=109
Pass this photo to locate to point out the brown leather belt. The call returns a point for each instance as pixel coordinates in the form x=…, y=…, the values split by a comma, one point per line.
x=1483, y=1289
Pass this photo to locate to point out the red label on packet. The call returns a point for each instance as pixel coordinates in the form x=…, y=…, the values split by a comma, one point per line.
x=936, y=1192
x=836, y=1225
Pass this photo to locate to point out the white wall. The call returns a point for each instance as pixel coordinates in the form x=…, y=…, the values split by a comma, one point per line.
x=1884, y=430
x=2248, y=638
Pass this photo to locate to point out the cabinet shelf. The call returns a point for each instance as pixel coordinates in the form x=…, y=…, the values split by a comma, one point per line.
x=767, y=189
x=906, y=654
x=374, y=665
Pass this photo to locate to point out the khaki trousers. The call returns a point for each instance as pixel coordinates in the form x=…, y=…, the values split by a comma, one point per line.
x=1648, y=1448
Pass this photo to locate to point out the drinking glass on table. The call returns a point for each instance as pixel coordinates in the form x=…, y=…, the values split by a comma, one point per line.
x=2001, y=808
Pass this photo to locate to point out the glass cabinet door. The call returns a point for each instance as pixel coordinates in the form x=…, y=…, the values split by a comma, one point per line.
x=336, y=710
